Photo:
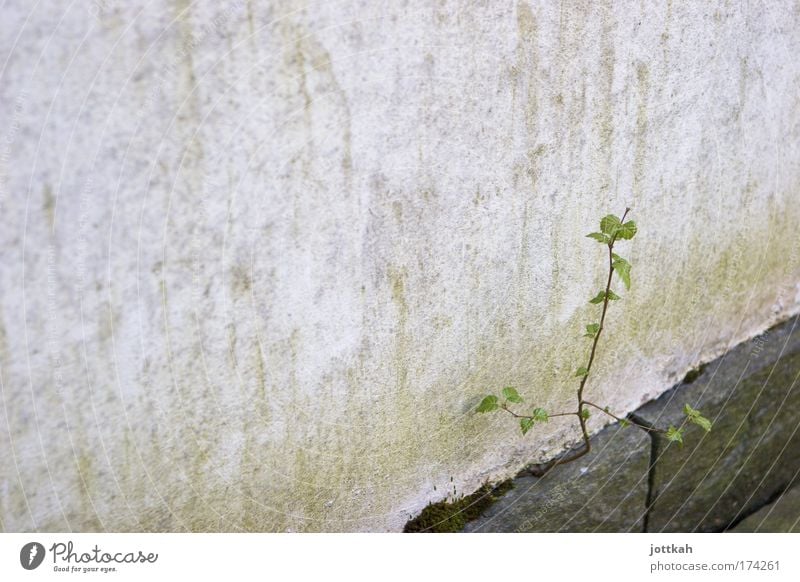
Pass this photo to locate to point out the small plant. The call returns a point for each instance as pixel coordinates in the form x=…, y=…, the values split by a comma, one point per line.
x=612, y=230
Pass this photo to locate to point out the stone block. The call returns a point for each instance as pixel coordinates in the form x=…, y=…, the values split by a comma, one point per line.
x=605, y=491
x=782, y=516
x=753, y=451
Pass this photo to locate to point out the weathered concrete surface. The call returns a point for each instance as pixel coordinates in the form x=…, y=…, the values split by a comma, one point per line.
x=781, y=516
x=604, y=491
x=752, y=395
x=260, y=260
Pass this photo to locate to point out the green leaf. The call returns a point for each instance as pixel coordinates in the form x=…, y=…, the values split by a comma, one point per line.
x=623, y=269
x=675, y=435
x=609, y=224
x=599, y=298
x=624, y=423
x=510, y=393
x=540, y=415
x=690, y=412
x=627, y=231
x=488, y=404
x=600, y=237
x=585, y=413
x=525, y=424
x=624, y=273
x=696, y=417
x=581, y=372
x=592, y=329
x=703, y=423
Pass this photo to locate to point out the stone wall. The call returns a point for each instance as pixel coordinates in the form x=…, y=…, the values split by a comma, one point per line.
x=260, y=260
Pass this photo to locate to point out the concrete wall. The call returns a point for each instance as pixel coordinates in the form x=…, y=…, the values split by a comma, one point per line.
x=259, y=260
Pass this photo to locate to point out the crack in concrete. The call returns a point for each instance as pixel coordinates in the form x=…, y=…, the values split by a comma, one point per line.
x=652, y=494
x=769, y=501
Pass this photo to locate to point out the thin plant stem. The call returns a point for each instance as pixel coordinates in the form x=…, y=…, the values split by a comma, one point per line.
x=628, y=420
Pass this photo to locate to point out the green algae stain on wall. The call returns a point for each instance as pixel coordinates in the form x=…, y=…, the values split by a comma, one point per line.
x=397, y=281
x=640, y=151
x=49, y=206
x=89, y=519
x=604, y=119
x=692, y=303
x=527, y=62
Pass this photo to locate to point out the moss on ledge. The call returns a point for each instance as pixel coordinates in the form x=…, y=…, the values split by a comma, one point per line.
x=448, y=517
x=694, y=374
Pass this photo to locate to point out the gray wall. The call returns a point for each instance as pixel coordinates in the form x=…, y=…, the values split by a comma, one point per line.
x=259, y=260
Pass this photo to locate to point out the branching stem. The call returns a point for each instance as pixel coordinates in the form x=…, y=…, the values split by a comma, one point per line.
x=628, y=420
